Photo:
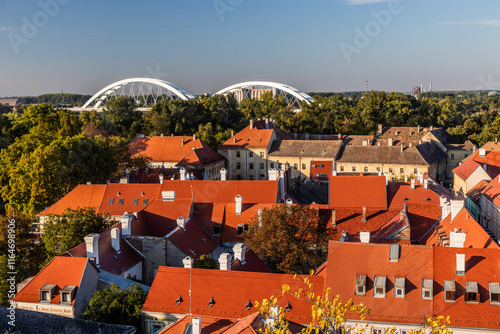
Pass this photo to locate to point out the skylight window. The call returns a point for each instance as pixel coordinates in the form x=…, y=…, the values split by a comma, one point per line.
x=111, y=201
x=145, y=201
x=136, y=200
x=120, y=201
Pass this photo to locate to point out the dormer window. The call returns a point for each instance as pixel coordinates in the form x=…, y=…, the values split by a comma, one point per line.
x=427, y=285
x=120, y=201
x=360, y=285
x=216, y=230
x=68, y=294
x=379, y=287
x=449, y=291
x=240, y=229
x=145, y=201
x=136, y=200
x=494, y=289
x=46, y=293
x=471, y=292
x=399, y=287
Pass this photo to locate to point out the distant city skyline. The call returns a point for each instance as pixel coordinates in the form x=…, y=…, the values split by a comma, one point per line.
x=203, y=46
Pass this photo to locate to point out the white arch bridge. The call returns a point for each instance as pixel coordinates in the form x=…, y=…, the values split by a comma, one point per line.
x=148, y=91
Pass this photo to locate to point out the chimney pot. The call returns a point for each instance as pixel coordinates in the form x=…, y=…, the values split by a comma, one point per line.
x=225, y=260
x=364, y=214
x=251, y=124
x=239, y=252
x=182, y=141
x=364, y=236
x=115, y=239
x=188, y=262
x=238, y=200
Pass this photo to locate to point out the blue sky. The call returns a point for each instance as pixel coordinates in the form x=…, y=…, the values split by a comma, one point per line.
x=206, y=45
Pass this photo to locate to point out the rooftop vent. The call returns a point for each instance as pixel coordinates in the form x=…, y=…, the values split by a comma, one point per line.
x=249, y=305
x=211, y=302
x=179, y=300
x=288, y=307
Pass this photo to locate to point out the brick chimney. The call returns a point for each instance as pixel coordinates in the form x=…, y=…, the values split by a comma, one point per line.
x=115, y=239
x=364, y=237
x=92, y=246
x=223, y=174
x=239, y=201
x=225, y=260
x=239, y=251
x=188, y=262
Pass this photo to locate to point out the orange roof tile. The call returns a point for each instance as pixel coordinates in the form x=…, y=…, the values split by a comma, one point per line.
x=465, y=170
x=61, y=271
x=248, y=212
x=161, y=217
x=258, y=137
x=252, y=263
x=358, y=191
x=80, y=197
x=193, y=240
x=171, y=149
x=492, y=190
x=209, y=325
x=231, y=291
x=125, y=195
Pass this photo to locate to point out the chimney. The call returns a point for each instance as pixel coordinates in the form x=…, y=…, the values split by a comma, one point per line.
x=161, y=135
x=410, y=133
x=232, y=133
x=482, y=152
x=364, y=214
x=162, y=177
x=410, y=144
x=402, y=215
x=239, y=251
x=412, y=184
x=181, y=222
x=432, y=128
x=188, y=262
x=196, y=323
x=115, y=239
x=251, y=124
x=456, y=206
x=182, y=141
x=445, y=210
x=234, y=140
x=223, y=174
x=364, y=236
x=273, y=174
x=225, y=260
x=389, y=142
x=402, y=147
x=92, y=246
x=172, y=135
x=125, y=221
x=379, y=132
x=183, y=174
x=365, y=142
x=457, y=239
x=194, y=137
x=418, y=129
x=334, y=218
x=426, y=184
x=339, y=136
x=238, y=200
x=343, y=236
x=260, y=217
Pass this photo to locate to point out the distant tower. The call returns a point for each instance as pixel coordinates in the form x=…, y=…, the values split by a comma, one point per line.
x=421, y=87
x=366, y=87
x=430, y=87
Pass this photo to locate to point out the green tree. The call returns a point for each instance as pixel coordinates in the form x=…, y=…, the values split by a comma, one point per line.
x=61, y=233
x=26, y=255
x=122, y=118
x=288, y=238
x=116, y=306
x=206, y=262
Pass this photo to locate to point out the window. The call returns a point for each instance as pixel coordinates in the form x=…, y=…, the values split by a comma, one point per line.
x=452, y=156
x=379, y=287
x=145, y=201
x=238, y=154
x=111, y=201
x=377, y=331
x=240, y=229
x=46, y=292
x=401, y=171
x=238, y=177
x=427, y=288
x=391, y=170
x=262, y=154
x=321, y=166
x=136, y=200
x=353, y=168
x=494, y=289
x=323, y=174
x=360, y=285
x=415, y=171
x=279, y=165
x=472, y=294
x=216, y=229
x=120, y=201
x=366, y=169
x=250, y=177
x=250, y=154
x=261, y=166
x=272, y=164
x=45, y=296
x=341, y=168
x=296, y=166
x=238, y=165
x=262, y=177
x=465, y=156
x=449, y=291
x=250, y=165
x=67, y=294
x=378, y=169
x=303, y=166
x=399, y=287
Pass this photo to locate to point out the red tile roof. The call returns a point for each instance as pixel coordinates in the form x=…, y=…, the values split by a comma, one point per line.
x=248, y=212
x=127, y=193
x=491, y=160
x=60, y=271
x=161, y=217
x=171, y=149
x=399, y=193
x=209, y=325
x=193, y=240
x=109, y=259
x=258, y=137
x=492, y=190
x=358, y=191
x=80, y=197
x=231, y=291
x=476, y=236
x=465, y=170
x=252, y=263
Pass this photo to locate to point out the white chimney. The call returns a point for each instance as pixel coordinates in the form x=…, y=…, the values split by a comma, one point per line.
x=460, y=264
x=389, y=142
x=183, y=174
x=482, y=152
x=456, y=206
x=364, y=237
x=196, y=325
x=442, y=201
x=182, y=141
x=92, y=246
x=188, y=262
x=181, y=222
x=225, y=260
x=365, y=142
x=194, y=137
x=115, y=239
x=126, y=221
x=223, y=174
x=251, y=124
x=239, y=251
x=273, y=174
x=161, y=178
x=445, y=210
x=239, y=200
x=457, y=239
x=426, y=184
x=412, y=184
